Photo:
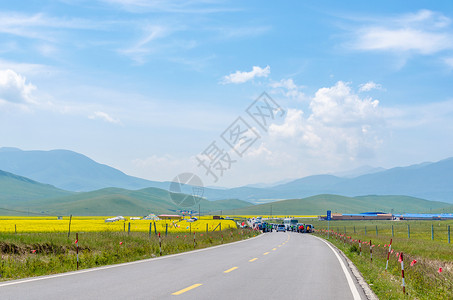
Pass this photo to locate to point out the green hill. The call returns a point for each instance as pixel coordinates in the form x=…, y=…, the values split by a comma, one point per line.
x=317, y=205
x=116, y=201
x=15, y=189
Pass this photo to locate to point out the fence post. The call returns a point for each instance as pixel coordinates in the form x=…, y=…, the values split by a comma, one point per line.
x=124, y=227
x=371, y=252
x=128, y=227
x=77, y=245
x=207, y=228
x=160, y=245
x=155, y=230
x=432, y=232
x=360, y=247
x=166, y=229
x=376, y=231
x=449, y=234
x=194, y=240
x=15, y=229
x=392, y=231
x=150, y=229
x=408, y=231
x=402, y=273
x=388, y=254
x=69, y=231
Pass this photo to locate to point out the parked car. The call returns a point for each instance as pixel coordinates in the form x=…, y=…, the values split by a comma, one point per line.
x=281, y=227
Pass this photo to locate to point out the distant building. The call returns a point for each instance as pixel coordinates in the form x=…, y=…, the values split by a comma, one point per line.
x=151, y=217
x=361, y=216
x=424, y=216
x=115, y=219
x=170, y=217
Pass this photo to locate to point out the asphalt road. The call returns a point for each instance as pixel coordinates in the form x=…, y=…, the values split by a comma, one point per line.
x=271, y=266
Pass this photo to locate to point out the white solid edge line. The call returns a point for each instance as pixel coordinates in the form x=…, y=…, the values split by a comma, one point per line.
x=352, y=287
x=19, y=281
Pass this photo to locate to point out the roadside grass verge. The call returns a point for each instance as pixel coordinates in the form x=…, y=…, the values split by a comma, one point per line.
x=422, y=277
x=34, y=254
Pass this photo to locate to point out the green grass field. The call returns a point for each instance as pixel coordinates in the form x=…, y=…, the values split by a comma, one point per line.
x=423, y=279
x=35, y=254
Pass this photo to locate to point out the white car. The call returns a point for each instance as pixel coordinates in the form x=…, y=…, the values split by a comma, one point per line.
x=281, y=227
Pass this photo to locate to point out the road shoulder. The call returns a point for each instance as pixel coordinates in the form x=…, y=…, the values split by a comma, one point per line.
x=360, y=281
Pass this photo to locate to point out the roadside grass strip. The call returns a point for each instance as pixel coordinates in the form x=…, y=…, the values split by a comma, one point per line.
x=187, y=289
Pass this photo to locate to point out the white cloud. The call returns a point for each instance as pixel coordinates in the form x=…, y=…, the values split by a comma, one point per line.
x=39, y=26
x=28, y=69
x=143, y=47
x=370, y=85
x=14, y=88
x=170, y=6
x=339, y=105
x=424, y=32
x=288, y=88
x=158, y=39
x=100, y=115
x=241, y=77
x=403, y=40
x=241, y=32
x=338, y=127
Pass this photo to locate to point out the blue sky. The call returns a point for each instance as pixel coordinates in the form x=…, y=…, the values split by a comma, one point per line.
x=147, y=86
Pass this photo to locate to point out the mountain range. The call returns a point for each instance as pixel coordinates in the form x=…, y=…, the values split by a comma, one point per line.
x=60, y=181
x=431, y=181
x=69, y=170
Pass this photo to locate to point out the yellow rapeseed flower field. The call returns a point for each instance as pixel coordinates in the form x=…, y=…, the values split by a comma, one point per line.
x=97, y=224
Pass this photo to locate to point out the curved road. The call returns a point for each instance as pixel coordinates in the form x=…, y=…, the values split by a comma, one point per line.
x=273, y=265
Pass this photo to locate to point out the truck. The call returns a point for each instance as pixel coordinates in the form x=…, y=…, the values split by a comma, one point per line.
x=290, y=223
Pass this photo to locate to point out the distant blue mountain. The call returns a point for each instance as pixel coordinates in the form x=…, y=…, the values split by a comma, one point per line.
x=69, y=170
x=431, y=181
x=72, y=171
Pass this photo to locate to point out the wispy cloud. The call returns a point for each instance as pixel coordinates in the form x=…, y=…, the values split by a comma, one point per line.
x=403, y=40
x=241, y=77
x=40, y=26
x=143, y=47
x=241, y=32
x=171, y=6
x=370, y=85
x=28, y=68
x=100, y=115
x=288, y=88
x=424, y=32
